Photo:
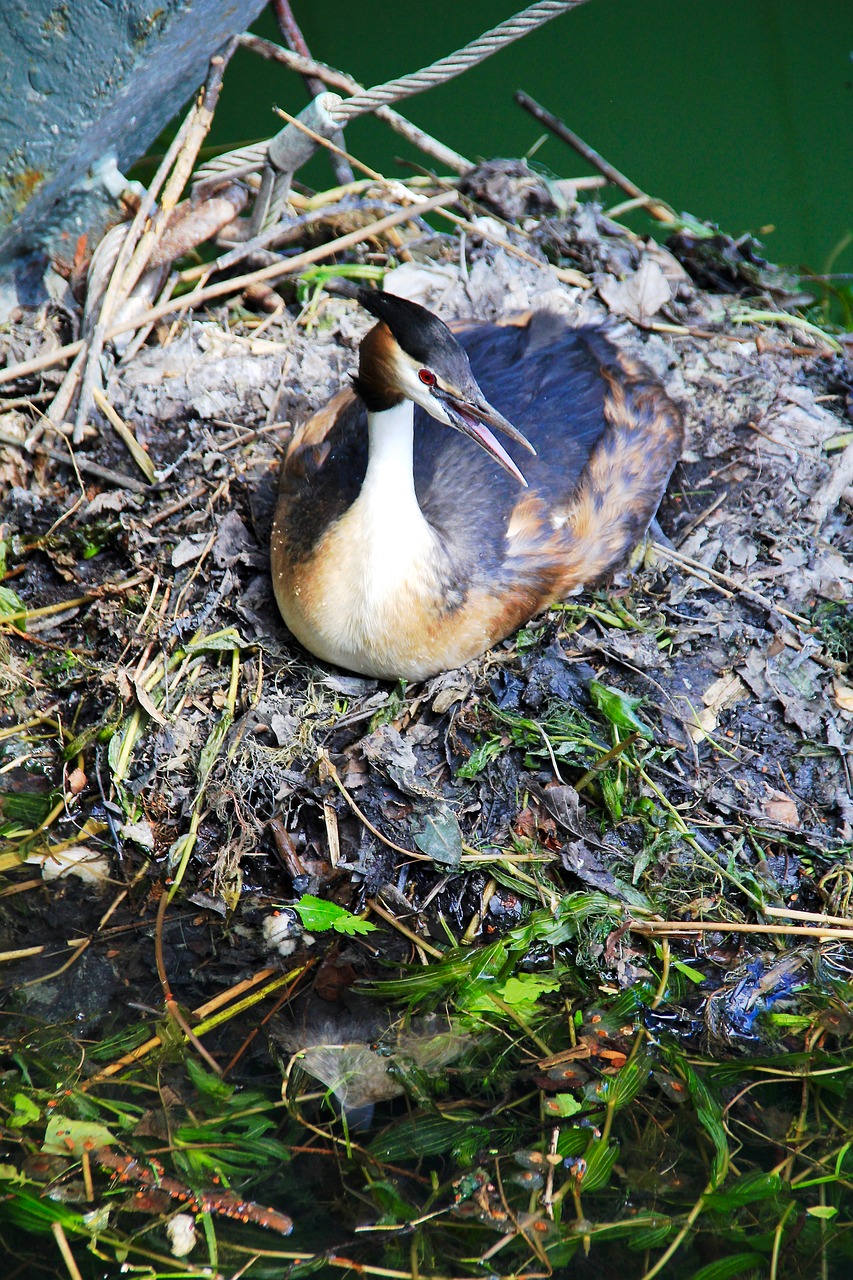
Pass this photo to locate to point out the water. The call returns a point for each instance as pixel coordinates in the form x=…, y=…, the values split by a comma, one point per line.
x=741, y=111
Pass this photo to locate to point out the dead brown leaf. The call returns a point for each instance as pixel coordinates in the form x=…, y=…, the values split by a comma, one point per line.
x=843, y=695
x=780, y=809
x=638, y=296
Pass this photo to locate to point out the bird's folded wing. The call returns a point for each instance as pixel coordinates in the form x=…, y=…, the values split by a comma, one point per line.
x=317, y=429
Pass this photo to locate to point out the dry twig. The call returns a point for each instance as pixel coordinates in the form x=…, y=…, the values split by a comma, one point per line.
x=610, y=172
x=566, y=275
x=134, y=254
x=82, y=464
x=712, y=577
x=222, y=288
x=678, y=928
x=140, y=457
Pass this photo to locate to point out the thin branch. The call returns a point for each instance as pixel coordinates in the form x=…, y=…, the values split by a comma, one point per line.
x=47, y=360
x=611, y=173
x=65, y=1249
x=362, y=817
x=82, y=464
x=390, y=918
x=273, y=272
x=568, y=276
x=698, y=570
x=668, y=928
x=288, y=266
x=172, y=1007
x=816, y=916
x=134, y=448
x=133, y=257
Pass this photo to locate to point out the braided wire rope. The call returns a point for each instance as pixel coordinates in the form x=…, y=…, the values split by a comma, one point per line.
x=455, y=63
x=253, y=158
x=237, y=164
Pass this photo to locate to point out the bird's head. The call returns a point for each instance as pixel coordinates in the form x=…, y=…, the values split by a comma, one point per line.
x=412, y=355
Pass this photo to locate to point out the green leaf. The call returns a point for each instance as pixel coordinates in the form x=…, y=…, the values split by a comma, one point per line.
x=522, y=992
x=563, y=1105
x=689, y=972
x=528, y=987
x=481, y=756
x=647, y=1227
x=746, y=1190
x=577, y=908
x=11, y=603
x=394, y=1208
x=317, y=915
x=29, y=807
x=72, y=1137
x=307, y=1268
x=613, y=791
x=437, y=835
x=209, y=1085
x=651, y=1237
x=26, y=1112
x=428, y=1135
x=345, y=270
x=116, y=744
x=218, y=641
x=573, y=1141
x=625, y=1086
x=824, y=1211
x=600, y=1159
x=36, y=1214
x=790, y=1023
x=710, y=1116
x=618, y=708
x=211, y=749
x=463, y=967
x=725, y=1268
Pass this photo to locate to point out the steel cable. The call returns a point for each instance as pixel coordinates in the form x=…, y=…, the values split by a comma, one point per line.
x=277, y=181
x=455, y=63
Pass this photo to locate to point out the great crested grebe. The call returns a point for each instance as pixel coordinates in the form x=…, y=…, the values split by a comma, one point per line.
x=400, y=550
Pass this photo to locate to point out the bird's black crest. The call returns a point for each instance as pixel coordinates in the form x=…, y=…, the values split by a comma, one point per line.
x=420, y=333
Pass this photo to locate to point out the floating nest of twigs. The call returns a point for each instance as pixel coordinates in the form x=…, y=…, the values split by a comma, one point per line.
x=523, y=939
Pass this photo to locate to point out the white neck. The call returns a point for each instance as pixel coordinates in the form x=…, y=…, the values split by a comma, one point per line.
x=390, y=469
x=379, y=587
x=391, y=534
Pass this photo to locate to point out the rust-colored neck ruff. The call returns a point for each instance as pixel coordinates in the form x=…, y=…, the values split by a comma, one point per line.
x=377, y=382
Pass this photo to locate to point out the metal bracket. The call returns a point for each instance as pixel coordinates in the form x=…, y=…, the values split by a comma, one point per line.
x=288, y=151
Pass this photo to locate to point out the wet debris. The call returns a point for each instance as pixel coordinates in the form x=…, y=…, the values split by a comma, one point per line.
x=717, y=262
x=513, y=854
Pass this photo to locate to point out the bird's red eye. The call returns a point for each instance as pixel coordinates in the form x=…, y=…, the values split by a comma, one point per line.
x=427, y=377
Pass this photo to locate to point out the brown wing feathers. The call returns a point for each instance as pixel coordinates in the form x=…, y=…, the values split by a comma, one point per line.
x=596, y=526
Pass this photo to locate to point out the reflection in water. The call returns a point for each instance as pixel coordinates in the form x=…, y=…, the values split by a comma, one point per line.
x=363, y=1061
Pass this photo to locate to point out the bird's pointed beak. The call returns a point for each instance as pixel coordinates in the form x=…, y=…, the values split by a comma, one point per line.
x=475, y=418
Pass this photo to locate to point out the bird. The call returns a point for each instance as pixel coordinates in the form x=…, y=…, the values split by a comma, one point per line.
x=407, y=539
